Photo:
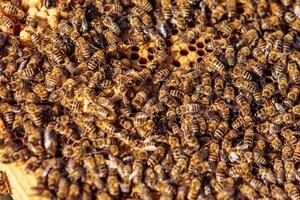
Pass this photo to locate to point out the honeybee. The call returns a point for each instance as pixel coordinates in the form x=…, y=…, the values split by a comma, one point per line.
x=10, y=9
x=293, y=73
x=54, y=54
x=194, y=188
x=259, y=55
x=53, y=178
x=178, y=168
x=268, y=90
x=165, y=189
x=238, y=72
x=278, y=193
x=257, y=184
x=166, y=9
x=74, y=191
x=215, y=64
x=221, y=131
x=282, y=83
x=289, y=136
x=212, y=124
x=7, y=25
x=295, y=110
x=142, y=191
x=108, y=22
x=267, y=175
x=40, y=91
x=290, y=170
x=238, y=122
x=140, y=98
x=230, y=55
x=291, y=190
x=145, y=4
x=65, y=27
x=161, y=75
x=111, y=38
x=296, y=155
x=217, y=14
x=250, y=86
x=113, y=184
x=8, y=113
x=229, y=94
x=270, y=23
x=156, y=156
x=34, y=112
x=291, y=97
x=248, y=192
x=65, y=130
x=50, y=140
x=214, y=152
x=96, y=60
x=287, y=152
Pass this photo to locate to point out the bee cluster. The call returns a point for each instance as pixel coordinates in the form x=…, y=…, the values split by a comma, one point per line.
x=138, y=99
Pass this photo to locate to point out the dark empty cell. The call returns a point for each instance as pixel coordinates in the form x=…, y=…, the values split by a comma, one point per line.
x=150, y=57
x=135, y=48
x=268, y=80
x=268, y=73
x=192, y=48
x=143, y=60
x=191, y=64
x=134, y=56
x=200, y=52
x=151, y=50
x=240, y=8
x=184, y=52
x=19, y=134
x=200, y=44
x=193, y=41
x=169, y=43
x=199, y=60
x=207, y=40
x=174, y=31
x=176, y=63
x=191, y=24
